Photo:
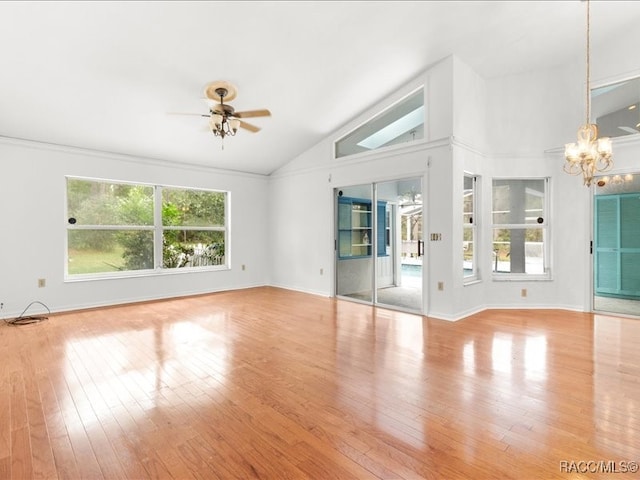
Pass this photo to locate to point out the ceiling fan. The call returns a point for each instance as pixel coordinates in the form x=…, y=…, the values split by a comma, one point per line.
x=223, y=119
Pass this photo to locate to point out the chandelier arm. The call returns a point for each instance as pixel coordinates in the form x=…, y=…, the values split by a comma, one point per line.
x=572, y=168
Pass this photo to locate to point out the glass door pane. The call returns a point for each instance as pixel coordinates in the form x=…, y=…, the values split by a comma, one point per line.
x=355, y=232
x=400, y=247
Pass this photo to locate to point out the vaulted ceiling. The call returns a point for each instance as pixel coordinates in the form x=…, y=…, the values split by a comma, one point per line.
x=109, y=75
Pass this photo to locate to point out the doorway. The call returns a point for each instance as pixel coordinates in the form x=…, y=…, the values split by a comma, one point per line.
x=379, y=244
x=616, y=245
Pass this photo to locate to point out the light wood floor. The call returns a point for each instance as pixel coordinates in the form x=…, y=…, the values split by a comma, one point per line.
x=267, y=383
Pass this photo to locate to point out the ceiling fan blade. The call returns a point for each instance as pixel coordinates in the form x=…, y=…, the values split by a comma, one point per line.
x=248, y=126
x=253, y=113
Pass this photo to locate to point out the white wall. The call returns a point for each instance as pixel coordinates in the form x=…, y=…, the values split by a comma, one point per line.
x=32, y=193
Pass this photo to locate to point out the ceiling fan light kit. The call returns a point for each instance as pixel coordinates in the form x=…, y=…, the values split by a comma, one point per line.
x=223, y=119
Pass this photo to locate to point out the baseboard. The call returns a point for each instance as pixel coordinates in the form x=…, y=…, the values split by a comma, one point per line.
x=572, y=308
x=38, y=309
x=301, y=290
x=468, y=313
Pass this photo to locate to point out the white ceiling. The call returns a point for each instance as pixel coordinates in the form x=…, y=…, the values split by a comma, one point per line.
x=106, y=75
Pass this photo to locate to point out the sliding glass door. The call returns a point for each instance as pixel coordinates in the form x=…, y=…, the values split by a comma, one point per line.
x=379, y=246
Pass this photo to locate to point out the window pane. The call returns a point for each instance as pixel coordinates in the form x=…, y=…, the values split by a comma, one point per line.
x=468, y=196
x=192, y=248
x=615, y=108
x=101, y=203
x=99, y=251
x=467, y=252
x=518, y=250
x=192, y=208
x=403, y=122
x=518, y=202
x=468, y=228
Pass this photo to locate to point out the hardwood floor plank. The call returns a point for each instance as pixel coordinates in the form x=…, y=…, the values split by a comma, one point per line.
x=21, y=464
x=5, y=467
x=5, y=418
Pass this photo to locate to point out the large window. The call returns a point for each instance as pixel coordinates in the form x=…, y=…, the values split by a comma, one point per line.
x=520, y=228
x=119, y=228
x=469, y=229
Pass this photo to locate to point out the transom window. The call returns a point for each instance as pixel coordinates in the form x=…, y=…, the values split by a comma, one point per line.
x=116, y=228
x=401, y=123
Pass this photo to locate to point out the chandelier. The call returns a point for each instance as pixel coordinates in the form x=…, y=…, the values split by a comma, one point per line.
x=590, y=154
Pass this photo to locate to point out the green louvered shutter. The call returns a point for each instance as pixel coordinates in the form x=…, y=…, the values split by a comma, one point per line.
x=617, y=245
x=630, y=245
x=607, y=259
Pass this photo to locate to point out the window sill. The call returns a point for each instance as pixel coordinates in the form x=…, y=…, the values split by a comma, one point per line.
x=507, y=277
x=471, y=281
x=143, y=273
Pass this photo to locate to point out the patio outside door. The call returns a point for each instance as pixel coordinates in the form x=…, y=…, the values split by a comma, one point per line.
x=379, y=245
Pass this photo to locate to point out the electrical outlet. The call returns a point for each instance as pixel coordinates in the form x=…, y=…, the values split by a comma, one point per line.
x=1, y=306
x=523, y=292
x=244, y=267
x=322, y=271
x=42, y=282
x=440, y=286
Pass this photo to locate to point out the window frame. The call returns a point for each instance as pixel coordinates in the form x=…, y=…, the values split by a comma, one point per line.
x=473, y=227
x=545, y=227
x=157, y=228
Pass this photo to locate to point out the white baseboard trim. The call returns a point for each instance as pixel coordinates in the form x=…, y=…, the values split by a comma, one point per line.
x=467, y=313
x=301, y=290
x=573, y=308
x=39, y=310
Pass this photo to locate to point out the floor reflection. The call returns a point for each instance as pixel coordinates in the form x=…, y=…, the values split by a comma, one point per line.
x=146, y=367
x=617, y=405
x=388, y=342
x=501, y=372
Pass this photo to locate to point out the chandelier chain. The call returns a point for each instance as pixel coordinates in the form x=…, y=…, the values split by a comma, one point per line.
x=588, y=66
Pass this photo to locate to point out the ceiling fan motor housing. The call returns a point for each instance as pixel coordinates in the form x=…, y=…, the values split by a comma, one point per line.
x=223, y=109
x=221, y=92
